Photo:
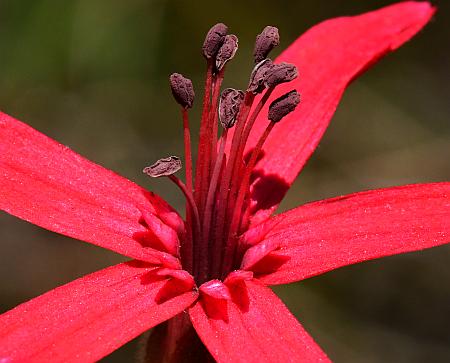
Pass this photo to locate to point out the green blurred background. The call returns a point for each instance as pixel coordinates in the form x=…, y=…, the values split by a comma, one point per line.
x=93, y=75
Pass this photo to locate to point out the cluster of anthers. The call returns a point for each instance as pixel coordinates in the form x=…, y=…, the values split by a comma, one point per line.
x=217, y=198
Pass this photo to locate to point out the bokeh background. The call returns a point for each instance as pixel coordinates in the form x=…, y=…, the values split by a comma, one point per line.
x=93, y=75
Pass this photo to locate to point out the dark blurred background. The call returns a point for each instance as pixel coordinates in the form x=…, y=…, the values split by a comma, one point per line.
x=93, y=75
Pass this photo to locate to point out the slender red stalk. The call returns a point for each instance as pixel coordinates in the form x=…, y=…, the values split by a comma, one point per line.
x=195, y=215
x=188, y=245
x=245, y=183
x=187, y=149
x=215, y=119
x=204, y=143
x=236, y=182
x=211, y=148
x=225, y=184
x=210, y=201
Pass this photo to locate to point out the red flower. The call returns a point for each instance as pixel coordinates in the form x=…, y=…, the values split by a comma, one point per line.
x=237, y=317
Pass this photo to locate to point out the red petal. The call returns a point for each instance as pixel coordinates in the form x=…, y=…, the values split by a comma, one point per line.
x=322, y=236
x=47, y=184
x=255, y=327
x=92, y=316
x=329, y=56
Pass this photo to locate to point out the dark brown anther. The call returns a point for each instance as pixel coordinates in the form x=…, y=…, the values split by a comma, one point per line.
x=283, y=105
x=226, y=51
x=214, y=40
x=265, y=42
x=281, y=73
x=164, y=167
x=182, y=90
x=230, y=102
x=258, y=76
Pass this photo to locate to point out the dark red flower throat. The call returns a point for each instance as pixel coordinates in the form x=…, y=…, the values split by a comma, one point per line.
x=217, y=208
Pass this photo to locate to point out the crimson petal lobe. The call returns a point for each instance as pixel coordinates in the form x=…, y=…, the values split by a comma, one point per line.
x=45, y=183
x=325, y=235
x=90, y=317
x=255, y=327
x=328, y=56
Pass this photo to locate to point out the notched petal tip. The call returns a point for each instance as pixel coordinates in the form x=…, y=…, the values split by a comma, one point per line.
x=184, y=277
x=215, y=289
x=238, y=276
x=163, y=167
x=215, y=297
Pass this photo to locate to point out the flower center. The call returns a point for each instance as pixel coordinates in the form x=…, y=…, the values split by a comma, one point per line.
x=218, y=197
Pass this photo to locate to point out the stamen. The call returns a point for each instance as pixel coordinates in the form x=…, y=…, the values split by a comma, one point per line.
x=204, y=139
x=164, y=167
x=222, y=202
x=167, y=167
x=230, y=102
x=264, y=74
x=283, y=105
x=232, y=234
x=265, y=42
x=236, y=182
x=217, y=210
x=214, y=40
x=187, y=149
x=213, y=122
x=198, y=255
x=258, y=76
x=207, y=166
x=182, y=90
x=226, y=51
x=212, y=193
x=277, y=110
x=280, y=73
x=225, y=54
